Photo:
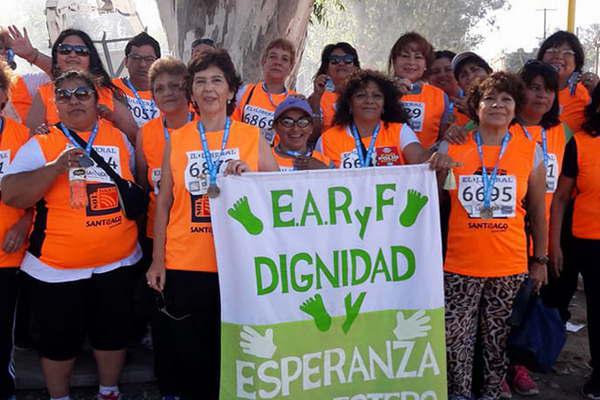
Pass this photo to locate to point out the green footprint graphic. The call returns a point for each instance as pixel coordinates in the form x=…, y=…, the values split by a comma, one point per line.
x=352, y=310
x=315, y=308
x=414, y=204
x=241, y=212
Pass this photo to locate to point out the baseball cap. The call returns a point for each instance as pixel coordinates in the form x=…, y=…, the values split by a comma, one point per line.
x=468, y=57
x=293, y=102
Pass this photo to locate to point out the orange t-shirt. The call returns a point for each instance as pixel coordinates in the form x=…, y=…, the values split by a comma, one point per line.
x=190, y=244
x=141, y=113
x=572, y=106
x=328, y=107
x=287, y=163
x=426, y=110
x=586, y=211
x=493, y=247
x=339, y=146
x=12, y=136
x=257, y=108
x=153, y=148
x=20, y=98
x=100, y=234
x=460, y=119
x=46, y=92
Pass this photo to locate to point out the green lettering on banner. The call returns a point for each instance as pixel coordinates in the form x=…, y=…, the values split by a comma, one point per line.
x=278, y=208
x=310, y=210
x=355, y=255
x=380, y=201
x=410, y=263
x=381, y=267
x=307, y=279
x=343, y=207
x=332, y=276
x=270, y=264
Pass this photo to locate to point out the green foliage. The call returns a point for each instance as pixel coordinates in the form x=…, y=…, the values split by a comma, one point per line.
x=320, y=8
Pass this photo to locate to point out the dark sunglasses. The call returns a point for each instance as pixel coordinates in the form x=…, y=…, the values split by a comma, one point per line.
x=162, y=307
x=346, y=59
x=66, y=49
x=82, y=93
x=302, y=122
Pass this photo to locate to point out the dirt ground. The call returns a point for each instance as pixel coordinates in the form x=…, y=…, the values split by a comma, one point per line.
x=564, y=383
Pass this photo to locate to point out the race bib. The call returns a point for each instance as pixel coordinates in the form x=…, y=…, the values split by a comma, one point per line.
x=262, y=119
x=112, y=156
x=196, y=170
x=552, y=173
x=4, y=162
x=503, y=199
x=350, y=160
x=155, y=174
x=142, y=115
x=416, y=113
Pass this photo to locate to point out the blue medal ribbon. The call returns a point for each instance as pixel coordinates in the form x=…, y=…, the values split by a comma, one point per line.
x=545, y=148
x=137, y=95
x=166, y=131
x=365, y=160
x=264, y=87
x=213, y=165
x=490, y=180
x=90, y=143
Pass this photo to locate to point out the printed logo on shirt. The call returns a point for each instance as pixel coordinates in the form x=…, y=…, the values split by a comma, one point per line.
x=4, y=162
x=200, y=208
x=103, y=199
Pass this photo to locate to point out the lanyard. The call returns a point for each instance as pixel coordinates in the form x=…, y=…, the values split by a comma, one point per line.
x=365, y=160
x=544, y=143
x=213, y=165
x=137, y=96
x=166, y=131
x=264, y=87
x=490, y=180
x=88, y=146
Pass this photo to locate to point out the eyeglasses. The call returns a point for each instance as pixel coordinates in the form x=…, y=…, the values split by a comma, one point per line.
x=346, y=59
x=82, y=93
x=554, y=51
x=301, y=123
x=162, y=307
x=80, y=50
x=137, y=58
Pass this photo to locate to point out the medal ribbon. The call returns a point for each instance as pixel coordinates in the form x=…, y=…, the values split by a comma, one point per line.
x=137, y=96
x=544, y=143
x=264, y=87
x=213, y=165
x=90, y=143
x=365, y=160
x=489, y=180
x=166, y=131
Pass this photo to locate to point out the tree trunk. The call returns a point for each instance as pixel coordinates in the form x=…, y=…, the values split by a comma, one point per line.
x=243, y=27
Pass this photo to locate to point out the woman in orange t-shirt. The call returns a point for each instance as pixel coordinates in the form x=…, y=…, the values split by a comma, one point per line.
x=338, y=62
x=82, y=246
x=14, y=227
x=486, y=259
x=564, y=51
x=581, y=173
x=74, y=50
x=184, y=265
x=428, y=107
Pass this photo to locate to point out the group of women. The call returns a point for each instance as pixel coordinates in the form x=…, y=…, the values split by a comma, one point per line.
x=511, y=152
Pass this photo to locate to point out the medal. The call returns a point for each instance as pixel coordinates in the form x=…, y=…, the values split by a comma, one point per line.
x=213, y=191
x=486, y=213
x=212, y=165
x=85, y=161
x=365, y=159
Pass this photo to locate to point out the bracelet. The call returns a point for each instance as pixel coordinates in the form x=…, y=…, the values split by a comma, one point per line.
x=540, y=259
x=37, y=54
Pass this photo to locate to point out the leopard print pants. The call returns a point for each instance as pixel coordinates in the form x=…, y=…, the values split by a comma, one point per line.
x=470, y=302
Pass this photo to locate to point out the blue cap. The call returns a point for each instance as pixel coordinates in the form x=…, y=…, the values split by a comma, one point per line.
x=292, y=102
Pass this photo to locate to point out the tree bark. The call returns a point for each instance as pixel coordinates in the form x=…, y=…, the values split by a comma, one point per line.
x=243, y=27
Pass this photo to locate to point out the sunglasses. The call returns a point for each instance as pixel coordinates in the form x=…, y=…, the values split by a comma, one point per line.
x=66, y=49
x=302, y=122
x=346, y=59
x=162, y=307
x=82, y=93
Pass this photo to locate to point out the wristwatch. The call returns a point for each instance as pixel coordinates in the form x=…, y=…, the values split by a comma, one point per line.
x=540, y=259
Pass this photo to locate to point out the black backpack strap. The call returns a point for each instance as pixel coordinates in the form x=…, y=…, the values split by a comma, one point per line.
x=249, y=98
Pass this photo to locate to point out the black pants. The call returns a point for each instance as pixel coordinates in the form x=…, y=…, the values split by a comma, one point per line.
x=8, y=299
x=187, y=341
x=588, y=259
x=560, y=291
